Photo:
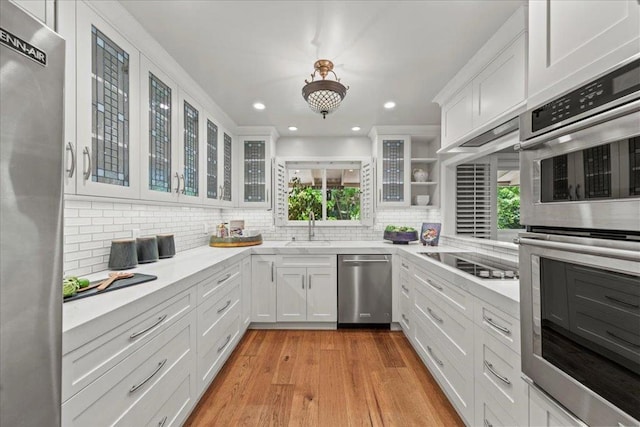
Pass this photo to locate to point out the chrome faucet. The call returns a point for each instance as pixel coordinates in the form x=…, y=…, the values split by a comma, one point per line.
x=312, y=226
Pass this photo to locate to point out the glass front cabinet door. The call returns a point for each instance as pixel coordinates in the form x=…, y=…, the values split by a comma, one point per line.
x=108, y=116
x=394, y=180
x=255, y=176
x=190, y=153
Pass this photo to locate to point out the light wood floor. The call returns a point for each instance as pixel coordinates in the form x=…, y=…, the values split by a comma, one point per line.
x=324, y=378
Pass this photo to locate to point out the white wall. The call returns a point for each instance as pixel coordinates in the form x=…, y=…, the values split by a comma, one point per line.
x=310, y=146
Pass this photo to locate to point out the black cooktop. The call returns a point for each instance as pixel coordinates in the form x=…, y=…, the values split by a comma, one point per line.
x=481, y=266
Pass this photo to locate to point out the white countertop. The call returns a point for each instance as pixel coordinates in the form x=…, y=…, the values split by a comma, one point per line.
x=189, y=267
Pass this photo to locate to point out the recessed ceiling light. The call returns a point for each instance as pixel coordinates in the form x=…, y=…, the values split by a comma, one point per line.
x=389, y=105
x=355, y=128
x=259, y=106
x=293, y=128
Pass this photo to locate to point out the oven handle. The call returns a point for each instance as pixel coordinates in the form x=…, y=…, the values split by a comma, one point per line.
x=614, y=113
x=581, y=249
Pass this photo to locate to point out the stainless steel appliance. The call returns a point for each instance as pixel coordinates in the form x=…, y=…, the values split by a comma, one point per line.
x=481, y=266
x=583, y=170
x=364, y=289
x=580, y=314
x=580, y=258
x=31, y=141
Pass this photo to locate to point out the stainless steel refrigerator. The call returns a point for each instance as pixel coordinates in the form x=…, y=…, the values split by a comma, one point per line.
x=31, y=133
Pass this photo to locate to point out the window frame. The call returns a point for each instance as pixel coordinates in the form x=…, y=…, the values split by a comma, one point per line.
x=324, y=164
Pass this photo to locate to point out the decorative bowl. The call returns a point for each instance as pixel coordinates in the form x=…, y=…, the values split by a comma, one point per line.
x=401, y=237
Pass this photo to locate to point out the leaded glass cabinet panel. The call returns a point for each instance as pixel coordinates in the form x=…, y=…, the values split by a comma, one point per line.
x=191, y=151
x=108, y=119
x=212, y=160
x=255, y=173
x=227, y=159
x=159, y=134
x=393, y=171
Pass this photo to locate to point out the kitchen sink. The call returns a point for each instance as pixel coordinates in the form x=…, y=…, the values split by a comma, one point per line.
x=308, y=243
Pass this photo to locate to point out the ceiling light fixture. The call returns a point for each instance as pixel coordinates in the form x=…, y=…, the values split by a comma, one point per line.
x=324, y=96
x=355, y=128
x=389, y=105
x=259, y=106
x=293, y=128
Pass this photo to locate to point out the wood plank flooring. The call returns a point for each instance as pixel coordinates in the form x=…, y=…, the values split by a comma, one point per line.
x=324, y=378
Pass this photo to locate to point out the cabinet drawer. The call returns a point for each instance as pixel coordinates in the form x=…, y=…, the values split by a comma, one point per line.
x=497, y=370
x=209, y=287
x=405, y=266
x=458, y=298
x=87, y=363
x=212, y=310
x=306, y=261
x=107, y=400
x=491, y=414
x=215, y=343
x=454, y=331
x=498, y=324
x=457, y=384
x=168, y=403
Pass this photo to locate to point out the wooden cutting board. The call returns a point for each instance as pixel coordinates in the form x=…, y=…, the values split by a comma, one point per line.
x=118, y=284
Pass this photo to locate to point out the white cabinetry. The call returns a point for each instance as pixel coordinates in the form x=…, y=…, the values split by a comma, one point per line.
x=190, y=156
x=544, y=412
x=107, y=108
x=307, y=293
x=246, y=292
x=490, y=89
x=67, y=29
x=263, y=288
x=394, y=175
x=44, y=10
x=571, y=42
x=255, y=171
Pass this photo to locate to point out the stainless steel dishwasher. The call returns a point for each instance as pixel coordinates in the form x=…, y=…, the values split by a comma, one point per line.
x=364, y=290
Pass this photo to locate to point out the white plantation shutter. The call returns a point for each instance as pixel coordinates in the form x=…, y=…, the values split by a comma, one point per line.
x=280, y=192
x=473, y=200
x=366, y=193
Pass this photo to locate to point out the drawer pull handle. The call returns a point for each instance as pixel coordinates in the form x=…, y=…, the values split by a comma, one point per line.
x=225, y=278
x=137, y=334
x=163, y=421
x=309, y=284
x=404, y=288
x=497, y=375
x=153, y=374
x=622, y=339
x=438, y=287
x=487, y=423
x=439, y=319
x=271, y=271
x=405, y=266
x=302, y=277
x=438, y=361
x=495, y=325
x=225, y=343
x=405, y=318
x=628, y=304
x=225, y=307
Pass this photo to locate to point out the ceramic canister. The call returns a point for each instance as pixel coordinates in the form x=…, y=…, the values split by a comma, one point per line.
x=147, y=249
x=123, y=254
x=166, y=245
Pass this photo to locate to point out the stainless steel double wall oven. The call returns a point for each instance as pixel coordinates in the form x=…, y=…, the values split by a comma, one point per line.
x=580, y=256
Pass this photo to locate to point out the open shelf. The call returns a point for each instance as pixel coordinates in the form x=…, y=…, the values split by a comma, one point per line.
x=423, y=160
x=424, y=183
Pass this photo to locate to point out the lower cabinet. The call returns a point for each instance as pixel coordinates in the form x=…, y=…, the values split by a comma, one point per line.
x=544, y=412
x=154, y=383
x=263, y=288
x=306, y=294
x=246, y=292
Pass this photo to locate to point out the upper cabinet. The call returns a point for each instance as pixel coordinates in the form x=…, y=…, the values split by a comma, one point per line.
x=394, y=171
x=43, y=10
x=255, y=173
x=490, y=89
x=573, y=41
x=190, y=157
x=107, y=109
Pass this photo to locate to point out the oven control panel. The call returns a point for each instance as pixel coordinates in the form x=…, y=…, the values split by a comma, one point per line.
x=618, y=83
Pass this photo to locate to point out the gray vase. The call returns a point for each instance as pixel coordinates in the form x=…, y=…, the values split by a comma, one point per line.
x=123, y=254
x=166, y=245
x=147, y=249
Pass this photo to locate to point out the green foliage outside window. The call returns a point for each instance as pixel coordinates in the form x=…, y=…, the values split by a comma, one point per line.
x=509, y=207
x=342, y=204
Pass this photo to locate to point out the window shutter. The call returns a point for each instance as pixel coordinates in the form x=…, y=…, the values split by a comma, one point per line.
x=473, y=200
x=280, y=190
x=366, y=193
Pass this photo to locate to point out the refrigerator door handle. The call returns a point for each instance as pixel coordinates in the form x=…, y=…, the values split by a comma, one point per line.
x=72, y=168
x=87, y=155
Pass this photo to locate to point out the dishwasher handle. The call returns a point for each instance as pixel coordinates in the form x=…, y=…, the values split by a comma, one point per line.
x=363, y=261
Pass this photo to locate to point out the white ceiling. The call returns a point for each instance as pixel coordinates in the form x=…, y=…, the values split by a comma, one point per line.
x=241, y=52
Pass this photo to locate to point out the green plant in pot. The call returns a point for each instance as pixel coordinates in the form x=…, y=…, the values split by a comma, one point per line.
x=400, y=235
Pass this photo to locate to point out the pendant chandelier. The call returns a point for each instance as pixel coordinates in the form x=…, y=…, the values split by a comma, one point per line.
x=324, y=96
